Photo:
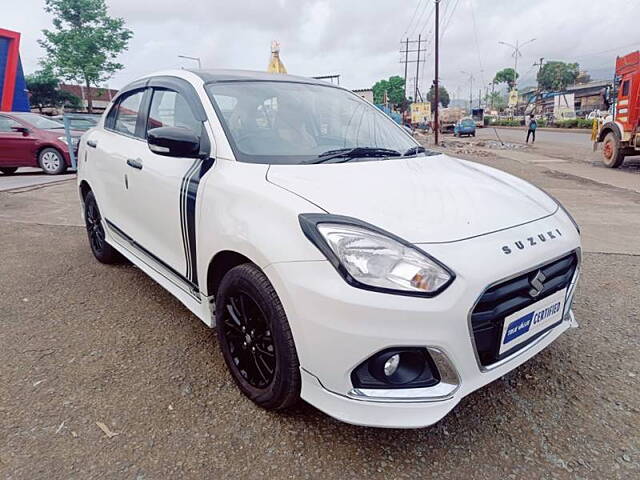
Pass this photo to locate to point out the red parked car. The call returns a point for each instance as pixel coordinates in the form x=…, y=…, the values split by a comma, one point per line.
x=32, y=140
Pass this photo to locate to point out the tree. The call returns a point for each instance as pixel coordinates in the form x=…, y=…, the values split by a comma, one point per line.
x=44, y=91
x=496, y=100
x=394, y=87
x=583, y=77
x=506, y=75
x=556, y=76
x=84, y=43
x=443, y=97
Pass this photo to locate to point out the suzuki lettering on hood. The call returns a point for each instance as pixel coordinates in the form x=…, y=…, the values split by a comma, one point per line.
x=539, y=239
x=433, y=199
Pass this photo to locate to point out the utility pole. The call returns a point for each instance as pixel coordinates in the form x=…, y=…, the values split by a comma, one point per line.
x=436, y=84
x=539, y=92
x=405, y=51
x=479, y=97
x=417, y=68
x=470, y=88
x=406, y=62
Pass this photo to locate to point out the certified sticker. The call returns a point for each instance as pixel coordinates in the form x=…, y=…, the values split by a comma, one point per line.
x=520, y=326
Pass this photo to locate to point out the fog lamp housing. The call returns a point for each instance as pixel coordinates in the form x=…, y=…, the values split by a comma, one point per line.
x=399, y=367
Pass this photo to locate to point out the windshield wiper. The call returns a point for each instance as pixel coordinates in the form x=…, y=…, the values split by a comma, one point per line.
x=357, y=152
x=414, y=151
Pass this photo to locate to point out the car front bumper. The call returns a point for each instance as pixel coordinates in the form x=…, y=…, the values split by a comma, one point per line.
x=336, y=327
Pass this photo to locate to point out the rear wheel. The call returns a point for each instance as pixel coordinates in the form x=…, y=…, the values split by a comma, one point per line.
x=255, y=338
x=8, y=170
x=51, y=161
x=612, y=154
x=103, y=252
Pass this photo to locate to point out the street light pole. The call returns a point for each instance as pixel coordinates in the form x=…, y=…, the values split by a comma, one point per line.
x=470, y=88
x=195, y=59
x=516, y=53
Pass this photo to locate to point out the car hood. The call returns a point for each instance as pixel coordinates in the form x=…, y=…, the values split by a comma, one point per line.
x=429, y=199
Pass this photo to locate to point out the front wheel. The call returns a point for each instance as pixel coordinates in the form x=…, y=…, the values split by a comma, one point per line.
x=612, y=155
x=51, y=161
x=256, y=340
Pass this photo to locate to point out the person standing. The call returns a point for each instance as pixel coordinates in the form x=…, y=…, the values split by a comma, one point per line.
x=531, y=130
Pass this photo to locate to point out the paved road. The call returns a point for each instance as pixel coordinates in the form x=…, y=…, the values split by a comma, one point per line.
x=29, y=177
x=566, y=144
x=81, y=342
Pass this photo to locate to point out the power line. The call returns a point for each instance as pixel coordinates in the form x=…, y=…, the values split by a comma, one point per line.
x=475, y=35
x=448, y=21
x=419, y=21
x=413, y=17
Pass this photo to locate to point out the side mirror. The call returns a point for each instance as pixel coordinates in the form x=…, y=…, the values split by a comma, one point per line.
x=174, y=142
x=24, y=130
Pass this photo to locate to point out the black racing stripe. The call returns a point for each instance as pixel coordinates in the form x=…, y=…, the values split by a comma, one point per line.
x=183, y=215
x=191, y=196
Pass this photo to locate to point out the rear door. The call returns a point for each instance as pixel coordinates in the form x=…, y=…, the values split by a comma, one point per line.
x=164, y=189
x=16, y=148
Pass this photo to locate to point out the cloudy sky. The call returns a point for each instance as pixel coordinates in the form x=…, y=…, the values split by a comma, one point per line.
x=358, y=39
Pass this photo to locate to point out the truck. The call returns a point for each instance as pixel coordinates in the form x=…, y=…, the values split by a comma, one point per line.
x=448, y=117
x=619, y=132
x=478, y=116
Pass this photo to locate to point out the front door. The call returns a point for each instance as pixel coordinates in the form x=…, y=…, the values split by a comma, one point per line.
x=165, y=190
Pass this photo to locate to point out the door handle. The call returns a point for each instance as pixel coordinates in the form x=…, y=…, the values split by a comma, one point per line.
x=92, y=143
x=134, y=163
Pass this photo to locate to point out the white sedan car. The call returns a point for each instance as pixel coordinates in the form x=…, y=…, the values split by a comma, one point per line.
x=341, y=262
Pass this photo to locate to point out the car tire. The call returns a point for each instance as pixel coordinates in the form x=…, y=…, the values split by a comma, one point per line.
x=51, y=161
x=103, y=252
x=612, y=155
x=8, y=170
x=255, y=338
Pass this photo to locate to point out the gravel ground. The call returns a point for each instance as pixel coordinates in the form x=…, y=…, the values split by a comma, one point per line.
x=83, y=343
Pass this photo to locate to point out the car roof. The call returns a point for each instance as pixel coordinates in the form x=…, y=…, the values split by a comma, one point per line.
x=221, y=75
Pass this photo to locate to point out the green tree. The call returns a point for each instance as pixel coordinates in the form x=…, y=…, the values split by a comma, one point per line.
x=84, y=42
x=506, y=75
x=496, y=101
x=44, y=90
x=443, y=97
x=394, y=87
x=556, y=76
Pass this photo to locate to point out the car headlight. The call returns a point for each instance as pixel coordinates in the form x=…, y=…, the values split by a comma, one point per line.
x=74, y=140
x=370, y=258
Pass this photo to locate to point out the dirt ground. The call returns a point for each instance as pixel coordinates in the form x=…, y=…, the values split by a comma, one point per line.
x=83, y=343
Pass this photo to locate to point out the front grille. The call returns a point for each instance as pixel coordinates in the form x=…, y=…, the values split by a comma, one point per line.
x=505, y=298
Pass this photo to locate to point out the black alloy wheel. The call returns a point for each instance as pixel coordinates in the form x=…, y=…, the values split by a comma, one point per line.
x=103, y=252
x=249, y=340
x=255, y=338
x=95, y=230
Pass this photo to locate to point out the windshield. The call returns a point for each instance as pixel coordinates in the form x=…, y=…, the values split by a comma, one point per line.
x=294, y=123
x=39, y=121
x=468, y=123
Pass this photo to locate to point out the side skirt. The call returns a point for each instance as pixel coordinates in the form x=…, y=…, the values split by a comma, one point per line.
x=167, y=277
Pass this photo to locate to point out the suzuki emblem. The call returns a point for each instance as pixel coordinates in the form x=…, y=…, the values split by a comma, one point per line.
x=536, y=284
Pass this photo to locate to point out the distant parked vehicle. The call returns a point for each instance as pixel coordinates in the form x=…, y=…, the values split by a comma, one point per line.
x=466, y=126
x=478, y=116
x=82, y=121
x=32, y=140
